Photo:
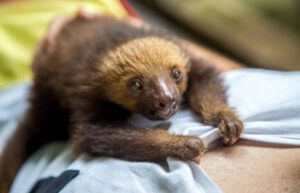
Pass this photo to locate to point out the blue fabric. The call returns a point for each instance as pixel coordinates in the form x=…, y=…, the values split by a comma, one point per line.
x=267, y=101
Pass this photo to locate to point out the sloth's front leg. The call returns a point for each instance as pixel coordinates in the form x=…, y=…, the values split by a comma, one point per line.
x=127, y=142
x=207, y=97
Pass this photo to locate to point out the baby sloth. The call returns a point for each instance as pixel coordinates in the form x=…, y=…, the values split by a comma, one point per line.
x=95, y=73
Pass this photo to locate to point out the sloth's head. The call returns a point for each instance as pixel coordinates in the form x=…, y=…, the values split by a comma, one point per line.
x=146, y=76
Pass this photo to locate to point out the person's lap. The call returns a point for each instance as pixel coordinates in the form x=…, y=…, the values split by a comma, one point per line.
x=247, y=168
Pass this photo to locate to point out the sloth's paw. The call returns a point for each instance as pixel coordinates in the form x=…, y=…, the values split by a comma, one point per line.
x=190, y=148
x=231, y=128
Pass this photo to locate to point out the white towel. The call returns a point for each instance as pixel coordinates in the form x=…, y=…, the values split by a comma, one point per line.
x=267, y=101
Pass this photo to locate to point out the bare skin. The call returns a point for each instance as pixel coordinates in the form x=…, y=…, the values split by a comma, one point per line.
x=253, y=167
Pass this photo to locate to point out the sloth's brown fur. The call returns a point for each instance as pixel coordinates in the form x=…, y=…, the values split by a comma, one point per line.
x=139, y=61
x=80, y=91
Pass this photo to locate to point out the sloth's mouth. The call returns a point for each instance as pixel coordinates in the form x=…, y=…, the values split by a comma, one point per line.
x=164, y=113
x=161, y=114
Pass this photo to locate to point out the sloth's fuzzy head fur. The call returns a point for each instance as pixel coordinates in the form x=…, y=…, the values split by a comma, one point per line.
x=145, y=75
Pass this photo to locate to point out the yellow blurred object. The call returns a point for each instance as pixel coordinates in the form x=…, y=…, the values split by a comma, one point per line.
x=23, y=23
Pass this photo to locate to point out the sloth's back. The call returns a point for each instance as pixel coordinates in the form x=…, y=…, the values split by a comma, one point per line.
x=65, y=66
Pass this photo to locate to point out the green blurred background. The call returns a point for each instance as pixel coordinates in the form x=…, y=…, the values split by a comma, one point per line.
x=258, y=33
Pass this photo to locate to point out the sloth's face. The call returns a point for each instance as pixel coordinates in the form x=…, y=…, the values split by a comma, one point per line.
x=147, y=76
x=158, y=97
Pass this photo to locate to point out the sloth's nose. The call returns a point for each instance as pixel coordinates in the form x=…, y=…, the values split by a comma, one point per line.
x=166, y=102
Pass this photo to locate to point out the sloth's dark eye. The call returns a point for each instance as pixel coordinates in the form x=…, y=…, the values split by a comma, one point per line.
x=176, y=74
x=136, y=85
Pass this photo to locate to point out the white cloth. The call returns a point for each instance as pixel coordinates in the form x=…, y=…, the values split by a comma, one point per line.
x=267, y=101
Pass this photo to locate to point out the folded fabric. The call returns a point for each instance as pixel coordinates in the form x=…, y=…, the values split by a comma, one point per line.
x=267, y=101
